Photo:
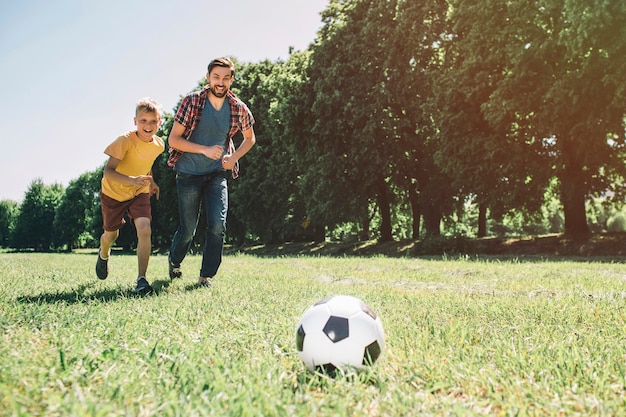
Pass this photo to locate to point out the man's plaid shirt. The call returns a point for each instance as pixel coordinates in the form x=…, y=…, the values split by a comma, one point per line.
x=188, y=115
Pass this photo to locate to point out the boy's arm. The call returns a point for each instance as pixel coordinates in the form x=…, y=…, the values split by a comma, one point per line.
x=177, y=141
x=154, y=188
x=113, y=175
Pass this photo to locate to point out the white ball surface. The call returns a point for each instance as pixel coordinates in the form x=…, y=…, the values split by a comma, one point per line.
x=339, y=332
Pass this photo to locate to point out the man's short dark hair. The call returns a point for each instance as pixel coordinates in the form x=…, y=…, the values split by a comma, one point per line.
x=222, y=62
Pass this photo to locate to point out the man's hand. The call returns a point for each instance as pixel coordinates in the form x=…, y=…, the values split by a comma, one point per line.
x=213, y=152
x=228, y=162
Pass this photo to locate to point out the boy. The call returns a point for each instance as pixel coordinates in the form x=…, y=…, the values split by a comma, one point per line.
x=127, y=186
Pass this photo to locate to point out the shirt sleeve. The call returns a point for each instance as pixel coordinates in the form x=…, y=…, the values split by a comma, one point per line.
x=246, y=120
x=118, y=148
x=182, y=114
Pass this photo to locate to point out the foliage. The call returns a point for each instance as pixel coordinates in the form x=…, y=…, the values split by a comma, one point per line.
x=292, y=121
x=33, y=228
x=164, y=210
x=352, y=152
x=260, y=197
x=74, y=216
x=413, y=65
x=9, y=211
x=617, y=222
x=604, y=215
x=420, y=118
x=485, y=161
x=564, y=81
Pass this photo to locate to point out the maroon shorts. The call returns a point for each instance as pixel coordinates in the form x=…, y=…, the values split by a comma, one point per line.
x=113, y=211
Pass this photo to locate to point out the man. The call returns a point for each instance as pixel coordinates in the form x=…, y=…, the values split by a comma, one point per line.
x=201, y=151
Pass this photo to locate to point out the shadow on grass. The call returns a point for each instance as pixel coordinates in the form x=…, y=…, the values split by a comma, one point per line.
x=326, y=378
x=82, y=294
x=598, y=247
x=78, y=295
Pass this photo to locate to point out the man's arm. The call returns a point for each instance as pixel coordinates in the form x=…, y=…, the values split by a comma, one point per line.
x=177, y=141
x=249, y=139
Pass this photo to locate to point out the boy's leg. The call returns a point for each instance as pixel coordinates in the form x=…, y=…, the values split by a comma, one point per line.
x=106, y=241
x=139, y=210
x=102, y=264
x=144, y=244
x=112, y=219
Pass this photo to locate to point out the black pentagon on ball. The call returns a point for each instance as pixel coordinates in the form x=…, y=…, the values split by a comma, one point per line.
x=337, y=328
x=372, y=352
x=327, y=369
x=300, y=338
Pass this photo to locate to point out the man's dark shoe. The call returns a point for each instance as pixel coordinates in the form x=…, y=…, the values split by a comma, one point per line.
x=204, y=282
x=102, y=267
x=143, y=288
x=175, y=271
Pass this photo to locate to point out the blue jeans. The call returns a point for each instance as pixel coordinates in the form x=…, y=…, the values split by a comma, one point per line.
x=195, y=191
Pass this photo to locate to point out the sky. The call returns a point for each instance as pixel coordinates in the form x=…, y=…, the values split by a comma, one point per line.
x=71, y=71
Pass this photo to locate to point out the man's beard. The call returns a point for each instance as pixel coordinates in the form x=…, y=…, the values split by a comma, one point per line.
x=216, y=94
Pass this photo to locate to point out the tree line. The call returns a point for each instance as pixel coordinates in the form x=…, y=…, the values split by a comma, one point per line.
x=408, y=119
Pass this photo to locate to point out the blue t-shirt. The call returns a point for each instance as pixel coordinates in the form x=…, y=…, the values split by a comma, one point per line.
x=211, y=129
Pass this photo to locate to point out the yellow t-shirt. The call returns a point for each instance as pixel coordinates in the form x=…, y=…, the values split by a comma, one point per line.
x=136, y=158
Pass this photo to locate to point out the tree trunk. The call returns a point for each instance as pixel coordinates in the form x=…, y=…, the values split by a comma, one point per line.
x=482, y=220
x=573, y=199
x=432, y=220
x=416, y=211
x=319, y=233
x=385, y=212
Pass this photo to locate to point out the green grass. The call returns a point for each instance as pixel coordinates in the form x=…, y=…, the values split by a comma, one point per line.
x=464, y=337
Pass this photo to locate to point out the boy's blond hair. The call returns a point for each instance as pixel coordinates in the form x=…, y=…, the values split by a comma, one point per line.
x=149, y=105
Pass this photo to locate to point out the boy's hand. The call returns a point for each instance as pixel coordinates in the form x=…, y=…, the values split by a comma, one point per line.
x=154, y=189
x=142, y=180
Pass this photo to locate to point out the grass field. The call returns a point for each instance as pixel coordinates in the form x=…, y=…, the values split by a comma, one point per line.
x=465, y=336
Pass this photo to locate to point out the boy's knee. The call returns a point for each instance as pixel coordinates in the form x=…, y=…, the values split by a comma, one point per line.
x=143, y=227
x=110, y=236
x=145, y=232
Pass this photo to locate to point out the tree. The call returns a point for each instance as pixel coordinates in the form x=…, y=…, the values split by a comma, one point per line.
x=565, y=78
x=260, y=198
x=164, y=210
x=74, y=215
x=485, y=162
x=267, y=198
x=348, y=157
x=9, y=210
x=413, y=54
x=33, y=228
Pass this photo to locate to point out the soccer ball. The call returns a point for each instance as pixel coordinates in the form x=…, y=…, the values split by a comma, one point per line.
x=339, y=332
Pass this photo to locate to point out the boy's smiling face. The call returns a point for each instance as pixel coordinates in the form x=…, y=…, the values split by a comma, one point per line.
x=147, y=124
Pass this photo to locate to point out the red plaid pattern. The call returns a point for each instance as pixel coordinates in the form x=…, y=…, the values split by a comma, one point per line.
x=191, y=107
